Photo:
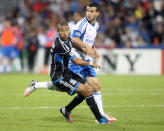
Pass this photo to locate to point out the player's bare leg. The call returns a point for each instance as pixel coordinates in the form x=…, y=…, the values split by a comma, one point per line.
x=86, y=91
x=95, y=84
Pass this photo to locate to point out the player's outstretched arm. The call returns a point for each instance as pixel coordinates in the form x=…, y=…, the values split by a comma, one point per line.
x=81, y=62
x=78, y=44
x=96, y=54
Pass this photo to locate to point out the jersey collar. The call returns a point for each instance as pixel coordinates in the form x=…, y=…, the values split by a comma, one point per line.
x=90, y=22
x=69, y=39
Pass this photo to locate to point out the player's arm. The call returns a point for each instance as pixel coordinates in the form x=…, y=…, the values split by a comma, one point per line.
x=81, y=62
x=77, y=35
x=96, y=54
x=78, y=44
x=64, y=50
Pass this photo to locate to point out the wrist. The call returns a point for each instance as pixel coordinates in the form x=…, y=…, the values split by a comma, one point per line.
x=90, y=63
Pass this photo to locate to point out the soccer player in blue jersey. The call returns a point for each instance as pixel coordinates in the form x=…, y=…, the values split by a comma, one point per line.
x=84, y=34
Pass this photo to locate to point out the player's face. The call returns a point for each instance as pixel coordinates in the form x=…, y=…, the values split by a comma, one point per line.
x=91, y=13
x=64, y=32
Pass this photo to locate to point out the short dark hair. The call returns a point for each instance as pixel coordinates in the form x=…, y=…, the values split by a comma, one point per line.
x=93, y=4
x=63, y=23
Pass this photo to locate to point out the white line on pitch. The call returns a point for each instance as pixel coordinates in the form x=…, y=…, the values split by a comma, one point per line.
x=54, y=107
x=104, y=94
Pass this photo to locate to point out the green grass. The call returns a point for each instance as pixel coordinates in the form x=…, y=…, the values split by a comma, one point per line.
x=136, y=101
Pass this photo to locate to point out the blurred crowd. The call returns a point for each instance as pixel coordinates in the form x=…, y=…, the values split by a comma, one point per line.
x=28, y=29
x=131, y=23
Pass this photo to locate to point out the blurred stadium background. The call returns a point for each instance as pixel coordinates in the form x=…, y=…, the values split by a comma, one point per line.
x=133, y=29
x=130, y=41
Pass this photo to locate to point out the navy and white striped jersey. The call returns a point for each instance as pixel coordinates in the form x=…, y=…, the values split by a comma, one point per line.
x=61, y=55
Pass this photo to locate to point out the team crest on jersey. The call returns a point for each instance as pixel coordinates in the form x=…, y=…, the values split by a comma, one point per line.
x=73, y=82
x=77, y=34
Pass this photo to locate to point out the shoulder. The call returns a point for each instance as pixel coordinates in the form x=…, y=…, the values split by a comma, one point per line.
x=60, y=46
x=83, y=20
x=96, y=25
x=56, y=41
x=82, y=23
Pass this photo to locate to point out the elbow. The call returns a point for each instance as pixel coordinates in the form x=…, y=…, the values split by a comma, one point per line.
x=74, y=39
x=77, y=62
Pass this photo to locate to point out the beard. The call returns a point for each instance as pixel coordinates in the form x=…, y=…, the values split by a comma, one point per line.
x=92, y=19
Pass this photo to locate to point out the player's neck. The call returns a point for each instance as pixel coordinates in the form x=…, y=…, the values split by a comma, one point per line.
x=92, y=21
x=63, y=39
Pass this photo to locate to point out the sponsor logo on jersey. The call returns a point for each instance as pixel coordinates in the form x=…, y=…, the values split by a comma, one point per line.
x=66, y=84
x=89, y=41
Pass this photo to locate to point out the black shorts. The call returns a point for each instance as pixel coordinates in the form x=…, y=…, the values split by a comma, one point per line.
x=67, y=82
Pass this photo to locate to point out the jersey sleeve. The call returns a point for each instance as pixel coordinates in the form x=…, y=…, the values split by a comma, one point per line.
x=79, y=28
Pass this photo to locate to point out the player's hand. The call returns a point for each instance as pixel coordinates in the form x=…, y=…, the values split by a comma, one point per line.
x=96, y=57
x=85, y=48
x=88, y=50
x=96, y=54
x=95, y=65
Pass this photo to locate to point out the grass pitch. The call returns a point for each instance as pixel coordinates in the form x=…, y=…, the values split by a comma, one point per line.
x=136, y=101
